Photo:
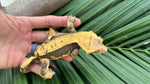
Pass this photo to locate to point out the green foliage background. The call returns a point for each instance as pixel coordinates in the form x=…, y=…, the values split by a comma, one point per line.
x=125, y=27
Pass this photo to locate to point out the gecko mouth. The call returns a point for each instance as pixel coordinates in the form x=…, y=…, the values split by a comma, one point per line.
x=104, y=49
x=100, y=51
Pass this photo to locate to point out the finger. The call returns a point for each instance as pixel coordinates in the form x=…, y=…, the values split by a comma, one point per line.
x=54, y=21
x=40, y=36
x=67, y=59
x=34, y=67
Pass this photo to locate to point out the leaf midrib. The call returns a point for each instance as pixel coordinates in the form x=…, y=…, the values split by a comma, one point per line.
x=130, y=49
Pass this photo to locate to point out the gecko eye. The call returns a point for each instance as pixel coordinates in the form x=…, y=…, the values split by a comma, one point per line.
x=101, y=40
x=98, y=41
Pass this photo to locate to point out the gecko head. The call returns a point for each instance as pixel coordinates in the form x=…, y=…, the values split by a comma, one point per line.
x=95, y=44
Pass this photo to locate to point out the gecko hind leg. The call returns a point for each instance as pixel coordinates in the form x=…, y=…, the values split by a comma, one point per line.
x=45, y=72
x=74, y=53
x=24, y=66
x=70, y=26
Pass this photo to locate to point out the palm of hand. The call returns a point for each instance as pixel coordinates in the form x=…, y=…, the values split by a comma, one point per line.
x=15, y=41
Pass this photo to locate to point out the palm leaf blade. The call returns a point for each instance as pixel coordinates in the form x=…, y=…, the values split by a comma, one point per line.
x=19, y=78
x=87, y=71
x=6, y=76
x=99, y=68
x=69, y=73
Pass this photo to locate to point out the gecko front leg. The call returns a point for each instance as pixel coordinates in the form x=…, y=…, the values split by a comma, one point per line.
x=70, y=21
x=50, y=34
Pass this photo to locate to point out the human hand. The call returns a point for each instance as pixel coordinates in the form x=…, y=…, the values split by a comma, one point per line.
x=16, y=37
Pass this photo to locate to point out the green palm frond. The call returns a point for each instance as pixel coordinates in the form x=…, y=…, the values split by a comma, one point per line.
x=125, y=27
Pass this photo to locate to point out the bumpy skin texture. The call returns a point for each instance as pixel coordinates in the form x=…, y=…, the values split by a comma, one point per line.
x=62, y=46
